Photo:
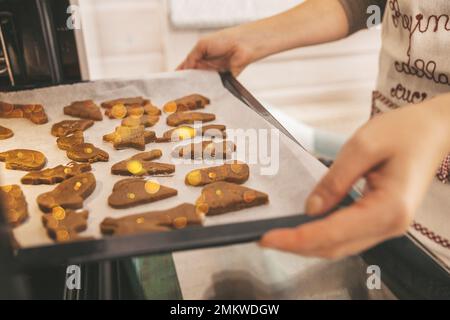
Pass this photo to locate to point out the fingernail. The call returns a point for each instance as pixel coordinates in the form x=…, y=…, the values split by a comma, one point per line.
x=314, y=204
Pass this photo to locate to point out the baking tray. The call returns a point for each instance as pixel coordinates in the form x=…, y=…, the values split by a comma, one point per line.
x=217, y=235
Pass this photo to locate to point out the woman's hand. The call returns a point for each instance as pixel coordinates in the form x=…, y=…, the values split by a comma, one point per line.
x=398, y=154
x=225, y=50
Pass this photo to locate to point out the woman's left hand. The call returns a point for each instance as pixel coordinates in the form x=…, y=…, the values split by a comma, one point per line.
x=398, y=154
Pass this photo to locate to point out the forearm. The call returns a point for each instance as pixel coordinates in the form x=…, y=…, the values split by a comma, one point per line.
x=312, y=22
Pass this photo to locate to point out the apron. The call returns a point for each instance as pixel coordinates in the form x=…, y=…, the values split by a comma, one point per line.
x=415, y=66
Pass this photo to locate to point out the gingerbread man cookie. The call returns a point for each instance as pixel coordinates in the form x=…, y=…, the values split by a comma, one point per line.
x=69, y=194
x=86, y=109
x=135, y=191
x=14, y=204
x=23, y=159
x=221, y=197
x=56, y=174
x=178, y=217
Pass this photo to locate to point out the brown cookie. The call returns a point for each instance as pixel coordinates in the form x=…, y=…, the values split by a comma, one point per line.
x=221, y=197
x=130, y=137
x=33, y=112
x=56, y=174
x=14, y=204
x=5, y=133
x=178, y=118
x=187, y=103
x=141, y=164
x=188, y=132
x=23, y=159
x=69, y=194
x=235, y=172
x=174, y=218
x=86, y=109
x=67, y=142
x=87, y=152
x=65, y=225
x=143, y=120
x=121, y=108
x=135, y=191
x=67, y=127
x=205, y=150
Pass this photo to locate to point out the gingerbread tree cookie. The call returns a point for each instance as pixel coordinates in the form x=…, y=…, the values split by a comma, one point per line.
x=86, y=109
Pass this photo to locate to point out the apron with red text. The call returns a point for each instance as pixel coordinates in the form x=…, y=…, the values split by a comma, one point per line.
x=415, y=66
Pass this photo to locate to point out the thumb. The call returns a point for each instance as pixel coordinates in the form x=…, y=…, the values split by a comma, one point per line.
x=352, y=163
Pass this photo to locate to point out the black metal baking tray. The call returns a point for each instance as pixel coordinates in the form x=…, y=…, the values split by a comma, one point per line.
x=387, y=254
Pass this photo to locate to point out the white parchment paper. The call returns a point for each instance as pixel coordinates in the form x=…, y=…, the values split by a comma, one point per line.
x=287, y=189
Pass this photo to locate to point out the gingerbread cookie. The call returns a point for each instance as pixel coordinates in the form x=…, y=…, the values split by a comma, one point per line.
x=23, y=159
x=56, y=174
x=87, y=152
x=178, y=118
x=188, y=132
x=121, y=108
x=5, y=133
x=221, y=197
x=141, y=164
x=65, y=225
x=187, y=103
x=135, y=191
x=205, y=150
x=235, y=172
x=130, y=137
x=67, y=127
x=67, y=142
x=164, y=220
x=143, y=120
x=14, y=204
x=86, y=109
x=69, y=194
x=33, y=112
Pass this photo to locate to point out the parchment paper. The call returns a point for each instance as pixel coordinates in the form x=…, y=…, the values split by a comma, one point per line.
x=287, y=189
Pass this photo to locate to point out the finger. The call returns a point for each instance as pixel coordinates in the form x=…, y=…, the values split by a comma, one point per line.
x=356, y=158
x=195, y=55
x=372, y=218
x=181, y=66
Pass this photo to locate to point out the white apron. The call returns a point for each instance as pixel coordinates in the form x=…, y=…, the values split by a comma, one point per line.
x=415, y=66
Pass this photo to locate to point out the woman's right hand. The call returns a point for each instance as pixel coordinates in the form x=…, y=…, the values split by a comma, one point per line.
x=225, y=50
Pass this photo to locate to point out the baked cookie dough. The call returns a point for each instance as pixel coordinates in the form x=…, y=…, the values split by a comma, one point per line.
x=236, y=172
x=143, y=120
x=70, y=140
x=141, y=164
x=178, y=118
x=178, y=217
x=23, y=159
x=56, y=174
x=135, y=191
x=124, y=107
x=65, y=225
x=187, y=103
x=69, y=194
x=14, y=204
x=187, y=132
x=66, y=127
x=130, y=137
x=5, y=133
x=205, y=150
x=85, y=109
x=87, y=152
x=33, y=112
x=221, y=197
